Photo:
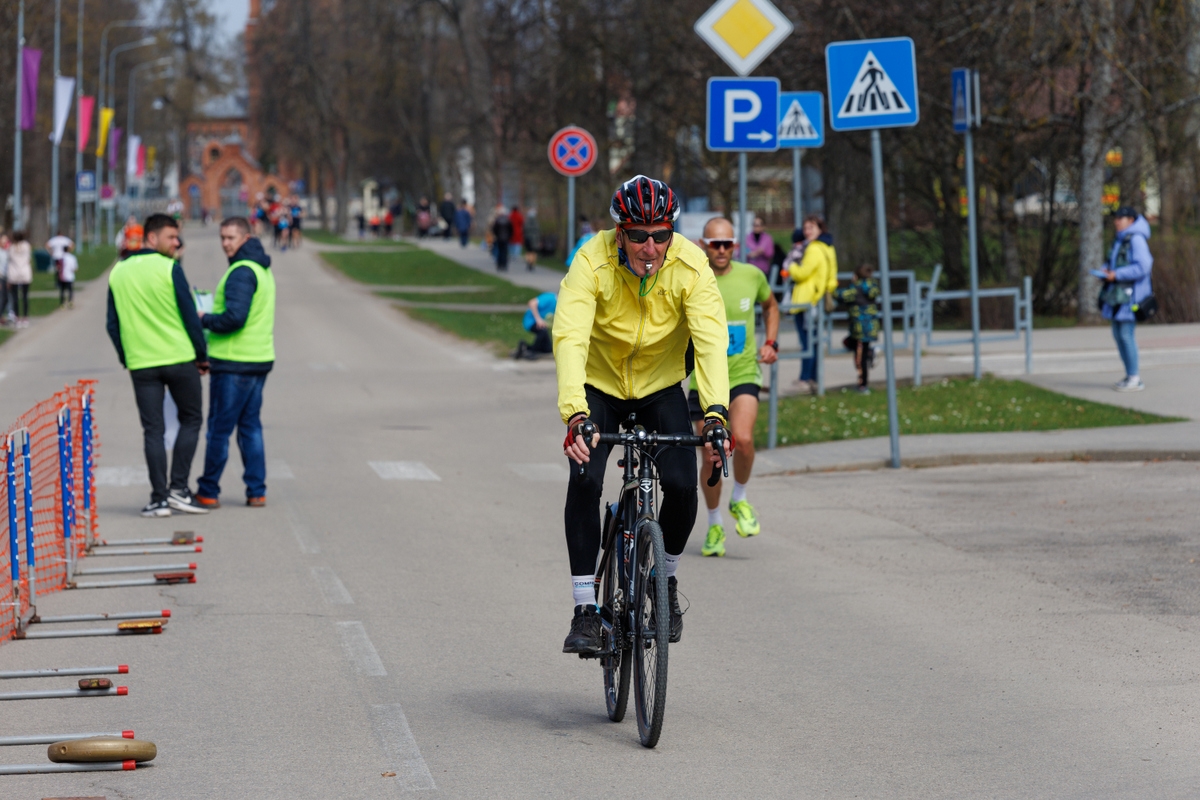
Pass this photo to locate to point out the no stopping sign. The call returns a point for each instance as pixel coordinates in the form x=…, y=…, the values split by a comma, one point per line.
x=572, y=151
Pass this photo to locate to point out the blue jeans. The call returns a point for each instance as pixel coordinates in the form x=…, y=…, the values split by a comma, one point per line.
x=808, y=365
x=234, y=400
x=1126, y=345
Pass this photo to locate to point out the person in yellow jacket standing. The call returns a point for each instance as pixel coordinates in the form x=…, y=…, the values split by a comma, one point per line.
x=241, y=349
x=812, y=268
x=627, y=309
x=153, y=325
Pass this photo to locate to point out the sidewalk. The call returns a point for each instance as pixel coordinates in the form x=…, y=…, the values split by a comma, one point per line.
x=1080, y=362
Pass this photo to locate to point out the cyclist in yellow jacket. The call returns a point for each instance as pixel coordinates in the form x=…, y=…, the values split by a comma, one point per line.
x=633, y=301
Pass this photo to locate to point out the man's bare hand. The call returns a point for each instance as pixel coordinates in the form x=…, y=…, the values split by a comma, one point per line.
x=768, y=354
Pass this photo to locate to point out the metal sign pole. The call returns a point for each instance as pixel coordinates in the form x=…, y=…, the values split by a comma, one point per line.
x=741, y=204
x=885, y=287
x=570, y=215
x=80, y=240
x=972, y=238
x=797, y=193
x=54, y=177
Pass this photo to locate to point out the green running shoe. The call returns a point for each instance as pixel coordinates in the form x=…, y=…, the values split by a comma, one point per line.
x=714, y=542
x=747, y=522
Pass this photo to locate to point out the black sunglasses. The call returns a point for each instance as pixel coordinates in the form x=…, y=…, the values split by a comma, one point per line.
x=639, y=236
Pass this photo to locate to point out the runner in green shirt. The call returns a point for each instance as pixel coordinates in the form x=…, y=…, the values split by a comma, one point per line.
x=743, y=286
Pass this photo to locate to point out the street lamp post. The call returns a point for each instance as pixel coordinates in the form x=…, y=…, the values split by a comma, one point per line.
x=131, y=102
x=100, y=104
x=54, y=177
x=79, y=237
x=110, y=91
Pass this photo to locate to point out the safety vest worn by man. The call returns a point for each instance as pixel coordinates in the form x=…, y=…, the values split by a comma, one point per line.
x=254, y=342
x=152, y=331
x=628, y=337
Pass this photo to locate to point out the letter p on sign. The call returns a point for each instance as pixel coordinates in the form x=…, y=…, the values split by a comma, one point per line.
x=733, y=116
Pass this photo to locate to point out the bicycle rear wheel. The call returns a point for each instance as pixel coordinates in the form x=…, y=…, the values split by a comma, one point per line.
x=616, y=666
x=650, y=642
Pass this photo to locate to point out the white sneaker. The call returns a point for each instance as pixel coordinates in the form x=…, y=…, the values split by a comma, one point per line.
x=1130, y=384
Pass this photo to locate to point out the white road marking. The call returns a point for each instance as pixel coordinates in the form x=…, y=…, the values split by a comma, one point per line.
x=3, y=375
x=304, y=535
x=403, y=471
x=359, y=649
x=544, y=472
x=278, y=469
x=332, y=587
x=400, y=748
x=122, y=476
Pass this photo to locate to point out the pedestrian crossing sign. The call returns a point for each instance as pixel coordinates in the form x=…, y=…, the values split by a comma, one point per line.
x=801, y=119
x=872, y=84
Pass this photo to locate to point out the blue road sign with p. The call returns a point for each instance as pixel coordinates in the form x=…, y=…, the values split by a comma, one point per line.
x=801, y=119
x=85, y=181
x=872, y=84
x=743, y=114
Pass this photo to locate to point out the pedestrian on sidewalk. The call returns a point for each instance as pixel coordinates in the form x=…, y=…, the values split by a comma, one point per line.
x=533, y=239
x=424, y=218
x=68, y=265
x=861, y=298
x=154, y=327
x=447, y=212
x=5, y=245
x=1127, y=296
x=760, y=247
x=538, y=317
x=502, y=231
x=517, y=219
x=57, y=245
x=812, y=278
x=241, y=348
x=20, y=275
x=462, y=222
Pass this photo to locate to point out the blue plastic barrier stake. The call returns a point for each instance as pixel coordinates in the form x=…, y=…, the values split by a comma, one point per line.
x=13, y=541
x=27, y=467
x=69, y=487
x=86, y=422
x=62, y=480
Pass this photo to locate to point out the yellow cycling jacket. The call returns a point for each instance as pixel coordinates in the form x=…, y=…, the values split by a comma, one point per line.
x=815, y=275
x=628, y=346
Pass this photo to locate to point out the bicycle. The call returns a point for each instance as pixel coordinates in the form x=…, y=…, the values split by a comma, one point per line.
x=631, y=594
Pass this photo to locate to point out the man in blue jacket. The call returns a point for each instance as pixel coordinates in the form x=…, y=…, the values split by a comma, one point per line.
x=1126, y=287
x=241, y=351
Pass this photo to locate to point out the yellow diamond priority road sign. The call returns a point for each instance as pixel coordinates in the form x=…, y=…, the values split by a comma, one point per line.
x=743, y=32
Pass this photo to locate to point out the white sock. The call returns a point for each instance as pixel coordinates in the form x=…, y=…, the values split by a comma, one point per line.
x=671, y=565
x=584, y=589
x=714, y=517
x=739, y=492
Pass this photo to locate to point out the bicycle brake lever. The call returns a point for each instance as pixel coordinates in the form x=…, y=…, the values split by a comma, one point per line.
x=586, y=431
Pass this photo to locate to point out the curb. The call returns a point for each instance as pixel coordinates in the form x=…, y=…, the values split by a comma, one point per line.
x=966, y=459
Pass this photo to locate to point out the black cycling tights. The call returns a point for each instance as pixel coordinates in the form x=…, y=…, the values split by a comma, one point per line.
x=665, y=411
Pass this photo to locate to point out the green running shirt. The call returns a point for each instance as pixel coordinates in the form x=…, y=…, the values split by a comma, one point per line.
x=742, y=287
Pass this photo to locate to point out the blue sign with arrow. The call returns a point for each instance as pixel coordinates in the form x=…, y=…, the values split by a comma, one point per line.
x=872, y=84
x=743, y=114
x=801, y=119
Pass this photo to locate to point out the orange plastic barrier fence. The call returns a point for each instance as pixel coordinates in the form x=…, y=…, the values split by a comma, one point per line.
x=42, y=424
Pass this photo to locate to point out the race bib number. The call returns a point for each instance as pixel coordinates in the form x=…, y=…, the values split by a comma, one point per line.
x=737, y=338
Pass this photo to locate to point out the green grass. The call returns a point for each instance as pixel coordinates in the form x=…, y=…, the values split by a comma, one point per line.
x=4, y=336
x=499, y=295
x=319, y=236
x=952, y=405
x=501, y=330
x=91, y=266
x=410, y=267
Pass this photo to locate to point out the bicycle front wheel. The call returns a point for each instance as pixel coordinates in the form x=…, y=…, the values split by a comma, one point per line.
x=616, y=665
x=653, y=620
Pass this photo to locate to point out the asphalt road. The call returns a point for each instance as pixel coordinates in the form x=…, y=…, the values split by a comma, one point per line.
x=399, y=606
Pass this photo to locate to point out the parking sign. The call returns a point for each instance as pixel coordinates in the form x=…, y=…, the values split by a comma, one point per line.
x=743, y=114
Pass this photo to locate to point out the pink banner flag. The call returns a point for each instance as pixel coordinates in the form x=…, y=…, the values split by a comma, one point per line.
x=141, y=160
x=30, y=61
x=86, y=105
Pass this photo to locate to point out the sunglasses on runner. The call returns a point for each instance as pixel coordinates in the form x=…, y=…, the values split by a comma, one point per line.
x=639, y=236
x=719, y=244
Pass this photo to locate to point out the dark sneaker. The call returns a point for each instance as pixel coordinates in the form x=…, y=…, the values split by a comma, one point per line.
x=676, y=612
x=182, y=500
x=159, y=509
x=587, y=635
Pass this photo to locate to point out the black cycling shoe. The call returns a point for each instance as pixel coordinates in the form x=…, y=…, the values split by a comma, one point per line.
x=587, y=635
x=676, y=612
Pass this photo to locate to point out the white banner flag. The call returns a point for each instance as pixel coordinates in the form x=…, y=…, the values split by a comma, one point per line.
x=64, y=96
x=131, y=150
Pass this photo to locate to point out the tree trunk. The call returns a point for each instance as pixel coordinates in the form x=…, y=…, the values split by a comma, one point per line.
x=467, y=16
x=1010, y=230
x=1098, y=19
